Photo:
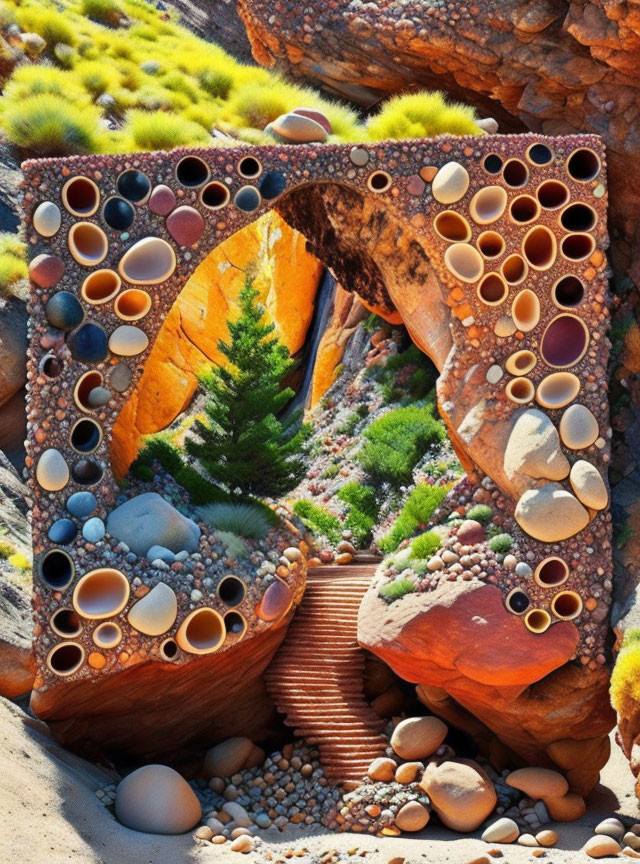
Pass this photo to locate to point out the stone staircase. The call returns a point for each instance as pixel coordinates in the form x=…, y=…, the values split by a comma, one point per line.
x=316, y=677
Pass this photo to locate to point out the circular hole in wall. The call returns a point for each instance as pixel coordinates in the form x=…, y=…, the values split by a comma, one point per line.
x=215, y=195
x=65, y=658
x=524, y=209
x=520, y=390
x=525, y=310
x=551, y=572
x=452, y=227
x=249, y=167
x=192, y=171
x=51, y=366
x=515, y=173
x=235, y=624
x=515, y=269
x=132, y=304
x=517, y=601
x=539, y=154
x=552, y=194
x=201, y=632
x=537, y=621
x=566, y=605
x=583, y=165
x=80, y=196
x=491, y=244
x=87, y=243
x=492, y=290
x=85, y=436
x=521, y=362
x=86, y=472
x=101, y=593
x=169, y=649
x=577, y=247
x=231, y=591
x=492, y=164
x=66, y=622
x=56, y=569
x=133, y=185
x=568, y=291
x=379, y=181
x=564, y=341
x=107, y=635
x=539, y=247
x=118, y=214
x=578, y=217
x=100, y=286
x=86, y=384
x=247, y=199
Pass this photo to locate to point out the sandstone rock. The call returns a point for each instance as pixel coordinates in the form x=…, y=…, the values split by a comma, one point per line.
x=157, y=800
x=587, y=483
x=407, y=772
x=418, y=737
x=227, y=758
x=547, y=837
x=534, y=450
x=382, y=769
x=602, y=847
x=412, y=816
x=568, y=808
x=503, y=830
x=538, y=782
x=578, y=427
x=147, y=520
x=471, y=532
x=460, y=795
x=550, y=513
x=450, y=183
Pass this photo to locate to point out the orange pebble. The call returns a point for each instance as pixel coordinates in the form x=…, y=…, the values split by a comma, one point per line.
x=96, y=660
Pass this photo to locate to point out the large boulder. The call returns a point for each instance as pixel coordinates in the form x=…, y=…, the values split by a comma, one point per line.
x=148, y=520
x=460, y=793
x=157, y=800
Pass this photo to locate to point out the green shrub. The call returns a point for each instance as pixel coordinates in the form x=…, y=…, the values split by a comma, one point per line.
x=501, y=543
x=331, y=471
x=106, y=12
x=394, y=590
x=425, y=545
x=216, y=82
x=6, y=549
x=143, y=473
x=318, y=520
x=421, y=115
x=397, y=441
x=157, y=130
x=244, y=520
x=349, y=425
x=49, y=126
x=158, y=448
x=97, y=77
x=362, y=513
x=417, y=511
x=201, y=491
x=481, y=513
x=362, y=410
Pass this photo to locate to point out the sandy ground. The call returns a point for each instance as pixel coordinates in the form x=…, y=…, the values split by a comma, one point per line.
x=49, y=814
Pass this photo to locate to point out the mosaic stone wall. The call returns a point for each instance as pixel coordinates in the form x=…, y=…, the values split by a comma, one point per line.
x=515, y=227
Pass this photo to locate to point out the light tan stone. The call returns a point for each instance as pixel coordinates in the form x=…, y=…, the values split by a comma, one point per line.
x=418, y=737
x=550, y=513
x=460, y=795
x=567, y=808
x=578, y=427
x=587, y=483
x=157, y=800
x=383, y=769
x=503, y=830
x=413, y=816
x=538, y=782
x=601, y=846
x=408, y=772
x=450, y=183
x=533, y=450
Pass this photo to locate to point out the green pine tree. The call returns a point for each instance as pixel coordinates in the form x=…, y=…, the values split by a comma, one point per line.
x=241, y=443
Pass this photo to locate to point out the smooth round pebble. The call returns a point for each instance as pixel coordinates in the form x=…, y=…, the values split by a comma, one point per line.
x=93, y=530
x=602, y=846
x=244, y=843
x=547, y=837
x=81, y=504
x=503, y=830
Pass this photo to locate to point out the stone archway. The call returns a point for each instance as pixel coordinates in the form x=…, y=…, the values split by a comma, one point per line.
x=491, y=250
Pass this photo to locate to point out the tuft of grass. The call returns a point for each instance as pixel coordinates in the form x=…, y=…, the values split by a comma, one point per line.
x=318, y=520
x=50, y=126
x=157, y=130
x=243, y=520
x=625, y=679
x=421, y=115
x=44, y=80
x=19, y=561
x=501, y=543
x=13, y=266
x=415, y=514
x=107, y=12
x=425, y=545
x=216, y=82
x=480, y=513
x=97, y=77
x=397, y=589
x=235, y=546
x=52, y=25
